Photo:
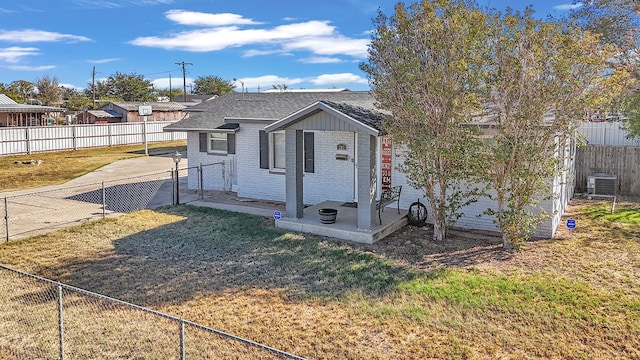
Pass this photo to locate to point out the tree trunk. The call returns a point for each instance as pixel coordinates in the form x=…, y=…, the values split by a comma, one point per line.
x=439, y=226
x=506, y=244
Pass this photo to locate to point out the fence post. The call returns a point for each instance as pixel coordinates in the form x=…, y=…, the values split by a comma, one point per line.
x=183, y=349
x=224, y=183
x=6, y=217
x=74, y=137
x=173, y=187
x=60, y=322
x=104, y=202
x=201, y=181
x=27, y=139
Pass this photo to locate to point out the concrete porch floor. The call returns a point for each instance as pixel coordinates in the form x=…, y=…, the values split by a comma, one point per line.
x=346, y=225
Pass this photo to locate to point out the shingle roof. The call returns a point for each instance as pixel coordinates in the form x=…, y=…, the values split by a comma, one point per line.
x=269, y=107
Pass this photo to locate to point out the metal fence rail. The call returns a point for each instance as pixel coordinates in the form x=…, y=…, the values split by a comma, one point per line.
x=32, y=213
x=44, y=319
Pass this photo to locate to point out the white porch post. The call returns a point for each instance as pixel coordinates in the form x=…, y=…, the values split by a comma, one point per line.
x=293, y=175
x=367, y=181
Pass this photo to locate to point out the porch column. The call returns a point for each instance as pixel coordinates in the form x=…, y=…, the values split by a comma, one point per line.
x=293, y=173
x=366, y=181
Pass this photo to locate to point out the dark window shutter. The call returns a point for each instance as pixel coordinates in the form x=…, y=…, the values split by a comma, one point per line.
x=264, y=150
x=231, y=143
x=203, y=141
x=308, y=152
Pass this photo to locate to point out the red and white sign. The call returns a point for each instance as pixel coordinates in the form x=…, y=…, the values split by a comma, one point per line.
x=386, y=162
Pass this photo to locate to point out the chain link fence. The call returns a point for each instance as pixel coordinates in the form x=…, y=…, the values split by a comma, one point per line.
x=43, y=319
x=38, y=212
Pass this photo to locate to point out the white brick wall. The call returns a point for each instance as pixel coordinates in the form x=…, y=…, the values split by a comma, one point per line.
x=213, y=176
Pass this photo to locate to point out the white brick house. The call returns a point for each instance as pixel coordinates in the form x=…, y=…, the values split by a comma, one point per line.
x=333, y=147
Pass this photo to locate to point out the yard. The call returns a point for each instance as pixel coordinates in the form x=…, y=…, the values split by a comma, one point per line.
x=402, y=298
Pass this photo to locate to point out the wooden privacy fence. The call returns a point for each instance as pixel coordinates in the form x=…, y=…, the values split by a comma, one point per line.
x=28, y=140
x=621, y=161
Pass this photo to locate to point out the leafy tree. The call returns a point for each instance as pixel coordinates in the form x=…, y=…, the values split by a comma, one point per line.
x=74, y=100
x=425, y=64
x=212, y=85
x=22, y=89
x=617, y=22
x=123, y=87
x=537, y=66
x=49, y=91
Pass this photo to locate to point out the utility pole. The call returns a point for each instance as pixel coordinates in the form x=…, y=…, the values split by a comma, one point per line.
x=184, y=78
x=93, y=87
x=170, y=97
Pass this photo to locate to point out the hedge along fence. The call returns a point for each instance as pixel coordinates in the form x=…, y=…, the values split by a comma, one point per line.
x=621, y=161
x=28, y=140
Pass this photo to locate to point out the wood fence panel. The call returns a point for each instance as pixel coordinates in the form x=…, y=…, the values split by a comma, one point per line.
x=621, y=161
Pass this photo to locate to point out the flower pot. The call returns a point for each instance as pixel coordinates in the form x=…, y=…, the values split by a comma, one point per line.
x=328, y=216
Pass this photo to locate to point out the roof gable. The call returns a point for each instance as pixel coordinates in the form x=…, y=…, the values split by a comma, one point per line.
x=364, y=120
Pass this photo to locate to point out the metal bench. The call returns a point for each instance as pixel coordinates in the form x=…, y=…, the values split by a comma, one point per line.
x=387, y=197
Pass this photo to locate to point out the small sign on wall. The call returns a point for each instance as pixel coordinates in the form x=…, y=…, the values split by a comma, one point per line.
x=386, y=162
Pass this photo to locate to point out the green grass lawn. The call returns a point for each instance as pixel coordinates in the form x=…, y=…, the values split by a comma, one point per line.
x=62, y=166
x=572, y=297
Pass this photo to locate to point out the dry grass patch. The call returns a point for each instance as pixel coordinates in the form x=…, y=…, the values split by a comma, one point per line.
x=405, y=297
x=59, y=167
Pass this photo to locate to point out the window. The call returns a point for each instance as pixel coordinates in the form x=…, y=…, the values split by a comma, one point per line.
x=217, y=143
x=277, y=157
x=272, y=151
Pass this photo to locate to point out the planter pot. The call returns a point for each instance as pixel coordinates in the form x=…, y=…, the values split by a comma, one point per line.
x=328, y=216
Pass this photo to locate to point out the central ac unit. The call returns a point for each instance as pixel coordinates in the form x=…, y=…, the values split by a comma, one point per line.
x=602, y=184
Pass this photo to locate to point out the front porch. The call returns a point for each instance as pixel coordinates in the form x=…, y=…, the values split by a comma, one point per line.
x=346, y=225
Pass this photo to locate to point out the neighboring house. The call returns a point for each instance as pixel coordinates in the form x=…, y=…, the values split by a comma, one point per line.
x=98, y=117
x=161, y=111
x=14, y=114
x=334, y=148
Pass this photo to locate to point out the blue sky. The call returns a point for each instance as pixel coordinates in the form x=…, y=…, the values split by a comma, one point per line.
x=299, y=43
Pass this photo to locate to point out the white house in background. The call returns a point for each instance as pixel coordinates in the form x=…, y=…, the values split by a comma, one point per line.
x=305, y=148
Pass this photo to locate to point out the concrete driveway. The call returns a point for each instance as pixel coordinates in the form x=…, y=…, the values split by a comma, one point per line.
x=130, y=184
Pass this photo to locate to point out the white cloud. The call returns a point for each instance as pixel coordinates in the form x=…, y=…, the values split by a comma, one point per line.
x=71, y=86
x=32, y=35
x=338, y=79
x=102, y=61
x=222, y=31
x=330, y=45
x=31, y=68
x=265, y=82
x=567, y=6
x=15, y=53
x=193, y=18
x=174, y=83
x=321, y=60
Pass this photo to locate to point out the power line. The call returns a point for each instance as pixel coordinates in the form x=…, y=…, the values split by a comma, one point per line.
x=184, y=78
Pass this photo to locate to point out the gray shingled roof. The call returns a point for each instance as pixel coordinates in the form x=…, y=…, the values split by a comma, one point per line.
x=270, y=107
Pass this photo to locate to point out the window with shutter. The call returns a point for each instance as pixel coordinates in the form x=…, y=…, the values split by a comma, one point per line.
x=309, y=153
x=264, y=150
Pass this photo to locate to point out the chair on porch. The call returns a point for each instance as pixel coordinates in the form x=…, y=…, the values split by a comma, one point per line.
x=387, y=197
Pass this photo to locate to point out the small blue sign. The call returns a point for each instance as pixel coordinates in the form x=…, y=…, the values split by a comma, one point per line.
x=277, y=215
x=571, y=224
